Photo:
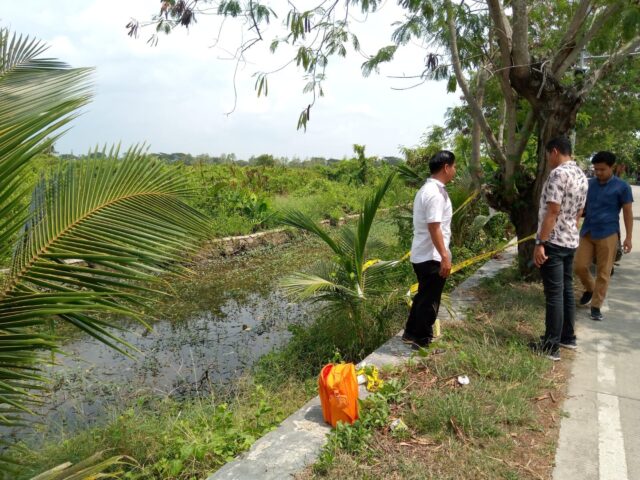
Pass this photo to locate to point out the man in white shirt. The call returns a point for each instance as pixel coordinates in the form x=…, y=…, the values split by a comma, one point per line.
x=430, y=253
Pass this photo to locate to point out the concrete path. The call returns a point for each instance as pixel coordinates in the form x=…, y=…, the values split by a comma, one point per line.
x=600, y=439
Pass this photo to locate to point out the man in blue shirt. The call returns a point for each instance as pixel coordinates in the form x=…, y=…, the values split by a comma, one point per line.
x=600, y=231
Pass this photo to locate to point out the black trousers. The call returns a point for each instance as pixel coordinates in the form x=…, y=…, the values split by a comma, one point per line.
x=560, y=305
x=426, y=303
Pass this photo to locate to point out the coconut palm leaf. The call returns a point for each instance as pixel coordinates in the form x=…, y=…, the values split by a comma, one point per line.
x=93, y=467
x=377, y=274
x=122, y=220
x=363, y=227
x=303, y=286
x=409, y=175
x=38, y=96
x=342, y=280
x=297, y=219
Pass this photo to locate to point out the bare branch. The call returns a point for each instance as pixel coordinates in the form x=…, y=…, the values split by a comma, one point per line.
x=567, y=44
x=503, y=120
x=616, y=58
x=476, y=132
x=612, y=9
x=502, y=29
x=520, y=39
x=503, y=32
x=525, y=133
x=253, y=19
x=475, y=108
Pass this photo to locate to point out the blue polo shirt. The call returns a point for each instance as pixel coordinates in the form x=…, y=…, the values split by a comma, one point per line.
x=604, y=201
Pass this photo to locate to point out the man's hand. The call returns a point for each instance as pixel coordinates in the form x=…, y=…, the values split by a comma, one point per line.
x=539, y=256
x=445, y=266
x=626, y=246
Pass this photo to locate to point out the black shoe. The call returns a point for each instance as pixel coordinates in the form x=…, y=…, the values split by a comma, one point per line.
x=553, y=355
x=416, y=343
x=546, y=351
x=596, y=314
x=586, y=298
x=570, y=344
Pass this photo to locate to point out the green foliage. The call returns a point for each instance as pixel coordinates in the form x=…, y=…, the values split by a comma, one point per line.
x=355, y=438
x=241, y=200
x=483, y=416
x=349, y=281
x=171, y=439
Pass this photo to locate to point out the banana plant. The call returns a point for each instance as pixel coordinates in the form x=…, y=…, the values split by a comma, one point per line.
x=93, y=237
x=349, y=279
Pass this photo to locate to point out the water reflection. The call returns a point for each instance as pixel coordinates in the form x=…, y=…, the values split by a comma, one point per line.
x=219, y=323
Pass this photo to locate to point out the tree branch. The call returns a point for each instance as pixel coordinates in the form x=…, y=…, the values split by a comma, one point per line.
x=475, y=108
x=476, y=132
x=520, y=40
x=597, y=25
x=525, y=133
x=615, y=59
x=253, y=19
x=503, y=30
x=569, y=39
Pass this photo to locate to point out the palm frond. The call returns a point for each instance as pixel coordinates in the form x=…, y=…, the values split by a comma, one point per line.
x=91, y=468
x=37, y=98
x=123, y=220
x=298, y=219
x=409, y=175
x=363, y=226
x=378, y=274
x=304, y=286
x=346, y=240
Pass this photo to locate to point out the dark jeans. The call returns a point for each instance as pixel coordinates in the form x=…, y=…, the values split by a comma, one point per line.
x=557, y=277
x=426, y=302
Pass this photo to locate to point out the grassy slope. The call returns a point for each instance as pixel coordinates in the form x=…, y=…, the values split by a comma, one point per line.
x=502, y=425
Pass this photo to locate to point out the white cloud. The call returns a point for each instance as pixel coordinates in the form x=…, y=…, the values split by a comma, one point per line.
x=175, y=96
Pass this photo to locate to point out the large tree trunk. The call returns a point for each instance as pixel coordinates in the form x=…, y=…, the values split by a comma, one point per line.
x=557, y=119
x=525, y=219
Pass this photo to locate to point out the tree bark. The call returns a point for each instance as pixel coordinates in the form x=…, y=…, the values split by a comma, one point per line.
x=475, y=167
x=556, y=120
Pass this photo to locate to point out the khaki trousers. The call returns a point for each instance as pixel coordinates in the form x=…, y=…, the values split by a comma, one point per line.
x=604, y=251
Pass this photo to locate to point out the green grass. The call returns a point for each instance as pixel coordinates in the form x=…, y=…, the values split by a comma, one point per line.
x=172, y=439
x=492, y=428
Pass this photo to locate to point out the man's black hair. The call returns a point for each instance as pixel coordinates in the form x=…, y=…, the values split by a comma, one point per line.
x=440, y=159
x=562, y=144
x=604, y=157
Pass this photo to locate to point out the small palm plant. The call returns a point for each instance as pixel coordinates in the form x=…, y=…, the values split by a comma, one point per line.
x=348, y=281
x=120, y=219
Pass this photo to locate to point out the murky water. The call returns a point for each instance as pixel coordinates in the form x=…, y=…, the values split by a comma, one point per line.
x=219, y=322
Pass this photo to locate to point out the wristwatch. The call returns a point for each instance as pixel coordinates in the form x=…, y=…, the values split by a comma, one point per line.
x=540, y=242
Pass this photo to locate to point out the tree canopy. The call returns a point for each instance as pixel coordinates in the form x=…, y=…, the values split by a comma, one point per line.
x=525, y=68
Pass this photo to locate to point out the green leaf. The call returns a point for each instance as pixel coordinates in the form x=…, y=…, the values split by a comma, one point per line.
x=452, y=84
x=385, y=54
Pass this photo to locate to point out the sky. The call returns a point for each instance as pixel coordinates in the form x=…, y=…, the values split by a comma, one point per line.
x=176, y=96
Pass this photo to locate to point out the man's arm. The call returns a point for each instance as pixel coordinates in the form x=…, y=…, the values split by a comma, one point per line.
x=627, y=214
x=549, y=221
x=580, y=213
x=438, y=241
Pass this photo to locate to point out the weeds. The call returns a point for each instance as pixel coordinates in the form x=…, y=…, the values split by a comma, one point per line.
x=496, y=427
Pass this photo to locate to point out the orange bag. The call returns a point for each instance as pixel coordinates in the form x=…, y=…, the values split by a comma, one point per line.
x=338, y=388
